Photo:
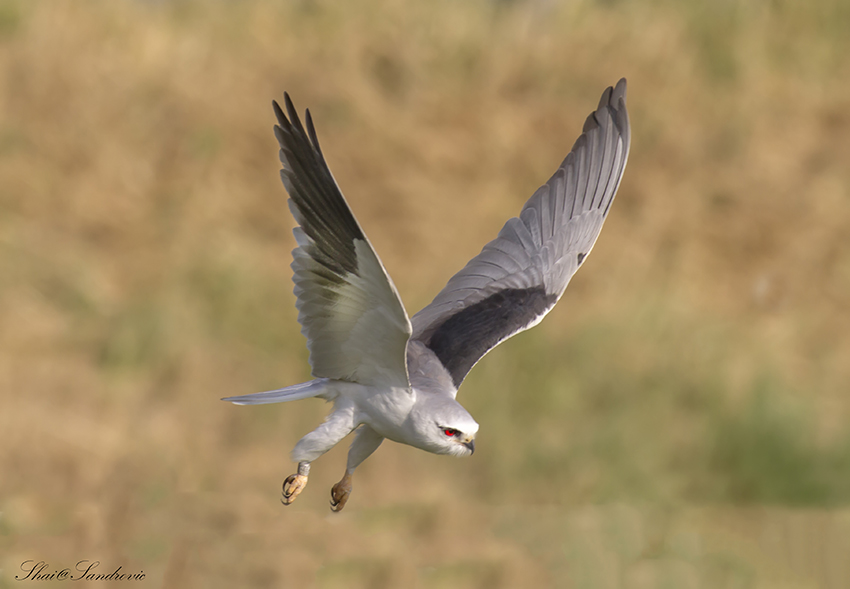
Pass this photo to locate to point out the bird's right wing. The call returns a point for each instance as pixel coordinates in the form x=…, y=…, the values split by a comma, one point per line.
x=356, y=326
x=518, y=277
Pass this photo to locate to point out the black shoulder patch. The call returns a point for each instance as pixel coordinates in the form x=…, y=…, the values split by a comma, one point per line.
x=580, y=258
x=462, y=339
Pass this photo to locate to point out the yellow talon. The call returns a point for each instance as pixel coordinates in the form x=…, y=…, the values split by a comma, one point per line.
x=292, y=487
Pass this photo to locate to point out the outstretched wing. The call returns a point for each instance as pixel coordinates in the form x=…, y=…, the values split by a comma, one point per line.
x=356, y=326
x=518, y=277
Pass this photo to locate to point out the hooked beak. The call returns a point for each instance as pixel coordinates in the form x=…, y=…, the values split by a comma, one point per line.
x=471, y=445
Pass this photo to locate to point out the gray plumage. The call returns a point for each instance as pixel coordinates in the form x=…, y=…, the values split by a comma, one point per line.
x=396, y=378
x=349, y=309
x=519, y=276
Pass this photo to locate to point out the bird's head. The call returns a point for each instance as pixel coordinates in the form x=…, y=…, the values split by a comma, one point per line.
x=445, y=427
x=455, y=441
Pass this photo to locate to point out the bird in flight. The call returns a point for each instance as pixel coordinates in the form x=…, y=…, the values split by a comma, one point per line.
x=397, y=378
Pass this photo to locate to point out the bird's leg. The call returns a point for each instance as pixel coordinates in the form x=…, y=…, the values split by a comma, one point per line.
x=341, y=491
x=295, y=483
x=366, y=442
x=337, y=425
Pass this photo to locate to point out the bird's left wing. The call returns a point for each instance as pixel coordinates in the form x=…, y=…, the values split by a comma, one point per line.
x=519, y=276
x=356, y=326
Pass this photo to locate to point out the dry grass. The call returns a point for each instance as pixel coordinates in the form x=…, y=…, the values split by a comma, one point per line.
x=681, y=420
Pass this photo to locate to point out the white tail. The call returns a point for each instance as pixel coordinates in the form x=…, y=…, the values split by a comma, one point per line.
x=304, y=390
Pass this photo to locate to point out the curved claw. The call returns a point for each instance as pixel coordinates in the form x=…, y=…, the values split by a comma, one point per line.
x=292, y=487
x=340, y=493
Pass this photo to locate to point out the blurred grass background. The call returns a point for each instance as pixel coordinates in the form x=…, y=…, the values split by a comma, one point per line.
x=680, y=420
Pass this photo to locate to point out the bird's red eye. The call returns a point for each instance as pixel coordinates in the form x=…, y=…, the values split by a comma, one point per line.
x=450, y=432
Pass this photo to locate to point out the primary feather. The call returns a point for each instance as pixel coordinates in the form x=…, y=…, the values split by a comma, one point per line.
x=518, y=277
x=348, y=307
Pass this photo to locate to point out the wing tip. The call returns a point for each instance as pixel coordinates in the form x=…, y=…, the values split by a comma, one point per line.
x=621, y=113
x=620, y=91
x=278, y=112
x=311, y=132
x=612, y=95
x=289, y=123
x=290, y=108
